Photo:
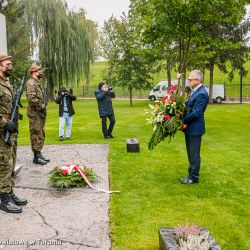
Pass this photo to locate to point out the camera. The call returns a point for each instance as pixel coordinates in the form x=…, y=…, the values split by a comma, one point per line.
x=110, y=88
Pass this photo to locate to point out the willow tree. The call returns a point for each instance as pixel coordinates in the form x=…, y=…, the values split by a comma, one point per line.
x=64, y=44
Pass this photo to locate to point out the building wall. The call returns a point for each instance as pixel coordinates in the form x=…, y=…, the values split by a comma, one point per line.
x=3, y=39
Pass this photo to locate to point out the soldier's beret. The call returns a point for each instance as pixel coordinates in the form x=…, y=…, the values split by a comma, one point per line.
x=4, y=57
x=34, y=68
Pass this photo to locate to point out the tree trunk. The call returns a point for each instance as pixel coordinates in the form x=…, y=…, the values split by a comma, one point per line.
x=169, y=72
x=241, y=81
x=183, y=86
x=130, y=95
x=51, y=96
x=50, y=83
x=87, y=86
x=211, y=82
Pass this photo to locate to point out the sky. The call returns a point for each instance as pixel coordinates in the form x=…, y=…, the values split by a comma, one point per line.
x=100, y=10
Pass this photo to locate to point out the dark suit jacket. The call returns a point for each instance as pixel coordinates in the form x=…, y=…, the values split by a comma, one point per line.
x=69, y=99
x=197, y=104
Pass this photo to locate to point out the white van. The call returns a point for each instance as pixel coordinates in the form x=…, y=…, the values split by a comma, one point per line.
x=218, y=92
x=160, y=90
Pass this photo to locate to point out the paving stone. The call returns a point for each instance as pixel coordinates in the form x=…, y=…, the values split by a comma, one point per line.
x=74, y=218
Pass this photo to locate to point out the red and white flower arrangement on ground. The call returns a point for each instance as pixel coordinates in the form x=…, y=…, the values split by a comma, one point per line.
x=71, y=175
x=167, y=115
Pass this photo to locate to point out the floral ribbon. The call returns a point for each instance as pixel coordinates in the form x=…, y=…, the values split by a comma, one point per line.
x=91, y=185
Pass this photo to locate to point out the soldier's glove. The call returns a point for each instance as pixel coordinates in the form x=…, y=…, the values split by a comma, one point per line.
x=10, y=126
x=43, y=112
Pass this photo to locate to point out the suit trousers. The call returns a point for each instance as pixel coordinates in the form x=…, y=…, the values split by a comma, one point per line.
x=193, y=145
x=107, y=132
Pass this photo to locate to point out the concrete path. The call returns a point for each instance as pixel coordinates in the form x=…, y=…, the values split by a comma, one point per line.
x=55, y=219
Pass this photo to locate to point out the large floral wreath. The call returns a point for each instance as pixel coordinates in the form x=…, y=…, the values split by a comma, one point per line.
x=71, y=176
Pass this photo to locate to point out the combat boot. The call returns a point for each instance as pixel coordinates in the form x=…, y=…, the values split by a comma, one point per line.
x=41, y=156
x=37, y=159
x=18, y=201
x=8, y=205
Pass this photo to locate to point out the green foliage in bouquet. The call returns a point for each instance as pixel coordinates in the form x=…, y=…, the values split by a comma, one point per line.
x=69, y=176
x=167, y=116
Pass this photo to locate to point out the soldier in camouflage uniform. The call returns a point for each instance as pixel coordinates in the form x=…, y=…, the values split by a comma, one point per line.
x=9, y=201
x=35, y=112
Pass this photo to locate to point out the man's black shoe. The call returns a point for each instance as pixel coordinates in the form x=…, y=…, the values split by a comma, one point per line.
x=18, y=201
x=39, y=161
x=188, y=181
x=61, y=138
x=106, y=137
x=42, y=157
x=111, y=136
x=8, y=205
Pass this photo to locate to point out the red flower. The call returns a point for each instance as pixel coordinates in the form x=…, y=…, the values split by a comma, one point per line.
x=174, y=86
x=184, y=126
x=167, y=117
x=57, y=166
x=67, y=165
x=170, y=91
x=75, y=168
x=164, y=98
x=172, y=99
x=64, y=172
x=178, y=115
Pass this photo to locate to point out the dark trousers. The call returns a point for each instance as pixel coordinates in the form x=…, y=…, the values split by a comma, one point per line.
x=193, y=145
x=107, y=132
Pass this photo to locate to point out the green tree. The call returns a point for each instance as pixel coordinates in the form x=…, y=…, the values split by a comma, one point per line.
x=184, y=27
x=127, y=66
x=65, y=45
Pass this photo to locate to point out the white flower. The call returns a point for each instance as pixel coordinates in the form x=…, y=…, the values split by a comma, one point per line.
x=173, y=105
x=178, y=76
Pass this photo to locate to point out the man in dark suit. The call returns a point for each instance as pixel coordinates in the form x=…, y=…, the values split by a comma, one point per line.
x=197, y=104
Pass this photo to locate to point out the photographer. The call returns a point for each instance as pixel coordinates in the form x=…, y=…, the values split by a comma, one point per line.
x=66, y=112
x=103, y=96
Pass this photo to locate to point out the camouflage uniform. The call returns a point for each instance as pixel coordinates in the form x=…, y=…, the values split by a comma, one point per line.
x=36, y=122
x=7, y=152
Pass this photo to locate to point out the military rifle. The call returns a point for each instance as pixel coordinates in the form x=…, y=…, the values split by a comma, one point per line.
x=17, y=102
x=43, y=112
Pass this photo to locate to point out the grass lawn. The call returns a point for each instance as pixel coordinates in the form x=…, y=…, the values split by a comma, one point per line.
x=151, y=196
